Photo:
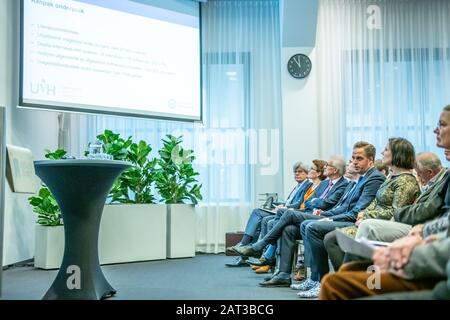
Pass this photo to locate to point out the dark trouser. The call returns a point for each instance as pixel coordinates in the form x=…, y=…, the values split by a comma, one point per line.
x=289, y=235
x=287, y=241
x=266, y=224
x=313, y=234
x=254, y=223
x=348, y=257
x=289, y=217
x=335, y=253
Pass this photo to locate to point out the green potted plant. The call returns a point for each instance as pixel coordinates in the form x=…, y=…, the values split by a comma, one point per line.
x=133, y=227
x=49, y=236
x=46, y=208
x=175, y=180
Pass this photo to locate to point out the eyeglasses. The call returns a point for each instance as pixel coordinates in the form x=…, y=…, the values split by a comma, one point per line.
x=299, y=171
x=329, y=165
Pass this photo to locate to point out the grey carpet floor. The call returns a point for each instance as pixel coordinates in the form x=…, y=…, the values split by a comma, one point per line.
x=204, y=277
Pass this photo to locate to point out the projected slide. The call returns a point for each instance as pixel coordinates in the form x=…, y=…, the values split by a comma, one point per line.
x=113, y=56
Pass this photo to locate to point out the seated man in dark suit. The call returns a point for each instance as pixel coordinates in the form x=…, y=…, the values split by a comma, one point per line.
x=334, y=171
x=294, y=200
x=325, y=196
x=314, y=231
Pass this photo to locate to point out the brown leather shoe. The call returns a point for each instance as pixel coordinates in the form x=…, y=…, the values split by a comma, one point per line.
x=263, y=269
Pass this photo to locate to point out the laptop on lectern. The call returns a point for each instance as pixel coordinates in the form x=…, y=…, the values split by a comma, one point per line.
x=20, y=170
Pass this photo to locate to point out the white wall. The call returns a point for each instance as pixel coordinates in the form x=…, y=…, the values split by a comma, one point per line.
x=300, y=105
x=36, y=130
x=300, y=116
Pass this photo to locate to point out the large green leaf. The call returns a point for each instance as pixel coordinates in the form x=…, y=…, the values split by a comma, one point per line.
x=134, y=185
x=46, y=208
x=174, y=173
x=55, y=155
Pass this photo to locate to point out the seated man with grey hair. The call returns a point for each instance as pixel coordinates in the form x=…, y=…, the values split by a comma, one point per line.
x=325, y=196
x=293, y=218
x=294, y=200
x=427, y=207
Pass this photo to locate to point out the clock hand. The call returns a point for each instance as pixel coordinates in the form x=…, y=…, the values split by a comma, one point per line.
x=298, y=62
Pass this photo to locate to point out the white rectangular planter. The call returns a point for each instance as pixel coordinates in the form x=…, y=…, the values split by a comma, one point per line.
x=181, y=225
x=132, y=232
x=128, y=233
x=49, y=247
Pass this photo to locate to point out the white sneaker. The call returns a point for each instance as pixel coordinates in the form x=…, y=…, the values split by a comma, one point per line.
x=311, y=293
x=305, y=285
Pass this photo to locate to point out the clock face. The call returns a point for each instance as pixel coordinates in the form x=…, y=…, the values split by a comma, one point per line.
x=299, y=66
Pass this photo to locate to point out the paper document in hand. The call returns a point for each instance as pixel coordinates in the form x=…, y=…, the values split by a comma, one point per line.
x=362, y=247
x=373, y=242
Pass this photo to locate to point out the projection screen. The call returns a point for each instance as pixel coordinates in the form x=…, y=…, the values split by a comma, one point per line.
x=131, y=58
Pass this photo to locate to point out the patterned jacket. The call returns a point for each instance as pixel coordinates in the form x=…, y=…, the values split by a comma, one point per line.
x=396, y=192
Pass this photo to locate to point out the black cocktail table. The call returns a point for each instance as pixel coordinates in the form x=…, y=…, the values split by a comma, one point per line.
x=80, y=188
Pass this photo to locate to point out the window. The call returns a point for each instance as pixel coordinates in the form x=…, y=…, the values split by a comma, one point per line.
x=221, y=144
x=395, y=92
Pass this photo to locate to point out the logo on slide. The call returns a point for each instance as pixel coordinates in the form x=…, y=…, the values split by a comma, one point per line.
x=42, y=87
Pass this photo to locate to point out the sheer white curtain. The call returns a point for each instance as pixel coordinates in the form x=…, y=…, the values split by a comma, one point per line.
x=384, y=70
x=241, y=47
x=238, y=144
